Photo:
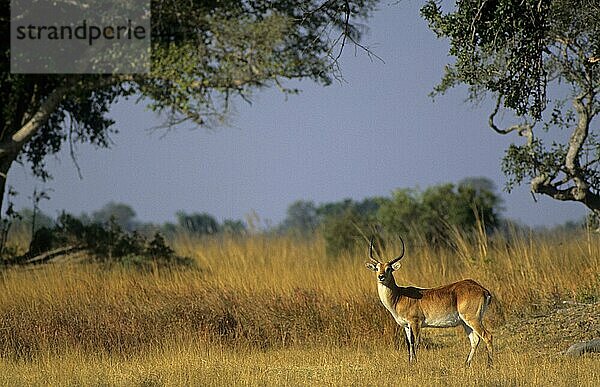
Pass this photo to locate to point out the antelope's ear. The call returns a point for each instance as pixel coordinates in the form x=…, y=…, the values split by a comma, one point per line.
x=371, y=266
x=396, y=266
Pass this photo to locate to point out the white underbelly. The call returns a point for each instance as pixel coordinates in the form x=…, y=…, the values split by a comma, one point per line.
x=442, y=321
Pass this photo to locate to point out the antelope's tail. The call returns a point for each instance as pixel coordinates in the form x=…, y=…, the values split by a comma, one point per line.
x=488, y=297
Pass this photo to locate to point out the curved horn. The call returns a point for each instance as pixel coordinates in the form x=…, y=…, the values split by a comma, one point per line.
x=401, y=255
x=371, y=251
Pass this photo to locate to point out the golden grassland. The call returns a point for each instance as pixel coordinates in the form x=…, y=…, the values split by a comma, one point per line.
x=275, y=310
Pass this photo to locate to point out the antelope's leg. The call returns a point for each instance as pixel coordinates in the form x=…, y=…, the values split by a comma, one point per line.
x=410, y=339
x=413, y=331
x=473, y=339
x=480, y=331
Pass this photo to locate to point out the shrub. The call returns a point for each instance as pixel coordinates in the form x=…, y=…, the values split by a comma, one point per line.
x=106, y=242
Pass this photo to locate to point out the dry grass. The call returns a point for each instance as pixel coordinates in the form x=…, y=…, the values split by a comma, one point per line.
x=278, y=311
x=193, y=364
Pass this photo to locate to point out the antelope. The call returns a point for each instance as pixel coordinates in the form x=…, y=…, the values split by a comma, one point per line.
x=459, y=303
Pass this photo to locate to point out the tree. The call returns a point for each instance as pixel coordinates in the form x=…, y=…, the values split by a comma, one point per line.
x=344, y=231
x=483, y=201
x=204, y=54
x=122, y=214
x=400, y=214
x=199, y=224
x=539, y=60
x=447, y=205
x=233, y=227
x=478, y=183
x=409, y=213
x=332, y=209
x=433, y=212
x=345, y=224
x=301, y=218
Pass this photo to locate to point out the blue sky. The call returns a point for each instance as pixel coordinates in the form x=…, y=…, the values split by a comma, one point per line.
x=375, y=132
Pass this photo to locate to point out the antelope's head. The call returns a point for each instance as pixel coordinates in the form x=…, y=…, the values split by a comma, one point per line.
x=384, y=270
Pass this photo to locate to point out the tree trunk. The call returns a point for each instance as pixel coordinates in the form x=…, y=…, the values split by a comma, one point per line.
x=580, y=189
x=4, y=167
x=11, y=147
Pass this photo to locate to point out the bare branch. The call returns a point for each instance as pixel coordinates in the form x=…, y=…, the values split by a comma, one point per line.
x=317, y=9
x=524, y=130
x=72, y=148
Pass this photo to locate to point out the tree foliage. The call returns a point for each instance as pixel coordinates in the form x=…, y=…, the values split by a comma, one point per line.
x=104, y=242
x=204, y=54
x=233, y=227
x=429, y=215
x=345, y=231
x=301, y=218
x=540, y=60
x=119, y=213
x=198, y=223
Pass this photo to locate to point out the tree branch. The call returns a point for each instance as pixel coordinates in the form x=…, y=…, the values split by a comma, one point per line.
x=21, y=136
x=576, y=142
x=49, y=106
x=524, y=130
x=542, y=184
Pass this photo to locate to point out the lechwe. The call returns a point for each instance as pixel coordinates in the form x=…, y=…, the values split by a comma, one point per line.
x=459, y=303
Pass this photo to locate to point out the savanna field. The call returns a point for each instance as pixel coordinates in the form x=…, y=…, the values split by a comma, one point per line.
x=278, y=311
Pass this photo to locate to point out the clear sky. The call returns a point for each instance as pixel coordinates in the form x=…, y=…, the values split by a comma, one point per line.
x=377, y=131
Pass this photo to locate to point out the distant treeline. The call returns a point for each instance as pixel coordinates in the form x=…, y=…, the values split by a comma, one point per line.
x=125, y=217
x=432, y=216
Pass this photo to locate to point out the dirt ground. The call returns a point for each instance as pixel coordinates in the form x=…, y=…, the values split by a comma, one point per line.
x=554, y=330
